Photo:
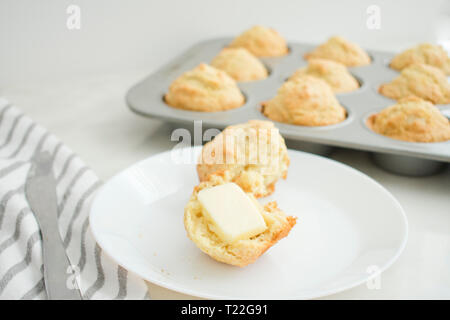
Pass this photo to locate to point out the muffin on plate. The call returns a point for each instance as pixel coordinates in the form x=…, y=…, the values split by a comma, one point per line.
x=421, y=80
x=206, y=89
x=334, y=73
x=254, y=155
x=240, y=252
x=262, y=42
x=426, y=53
x=305, y=101
x=340, y=50
x=411, y=119
x=240, y=64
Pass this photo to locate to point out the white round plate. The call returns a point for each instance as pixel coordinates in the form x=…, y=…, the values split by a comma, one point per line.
x=349, y=228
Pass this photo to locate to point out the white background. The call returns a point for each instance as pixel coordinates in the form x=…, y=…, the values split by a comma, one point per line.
x=74, y=83
x=117, y=36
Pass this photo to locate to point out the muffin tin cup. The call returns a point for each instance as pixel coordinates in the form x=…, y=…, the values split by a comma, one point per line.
x=145, y=98
x=407, y=166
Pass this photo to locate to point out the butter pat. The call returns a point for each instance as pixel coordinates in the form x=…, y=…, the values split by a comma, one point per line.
x=231, y=213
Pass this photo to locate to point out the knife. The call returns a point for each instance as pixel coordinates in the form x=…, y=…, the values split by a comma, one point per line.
x=40, y=191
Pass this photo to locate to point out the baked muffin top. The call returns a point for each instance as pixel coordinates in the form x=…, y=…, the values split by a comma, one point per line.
x=426, y=53
x=254, y=153
x=340, y=50
x=262, y=42
x=334, y=73
x=240, y=64
x=411, y=119
x=306, y=101
x=204, y=88
x=421, y=80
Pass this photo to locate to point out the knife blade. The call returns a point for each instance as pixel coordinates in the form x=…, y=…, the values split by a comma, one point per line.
x=40, y=191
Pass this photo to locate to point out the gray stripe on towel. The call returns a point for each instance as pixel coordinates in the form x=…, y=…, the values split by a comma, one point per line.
x=18, y=267
x=100, y=281
x=82, y=260
x=16, y=235
x=34, y=291
x=4, y=110
x=11, y=168
x=122, y=277
x=11, y=131
x=5, y=199
x=78, y=208
x=23, y=141
x=68, y=191
x=66, y=165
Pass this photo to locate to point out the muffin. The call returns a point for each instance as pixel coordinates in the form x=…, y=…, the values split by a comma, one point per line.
x=240, y=252
x=334, y=73
x=240, y=64
x=206, y=89
x=262, y=42
x=426, y=53
x=306, y=101
x=253, y=153
x=421, y=80
x=340, y=50
x=411, y=119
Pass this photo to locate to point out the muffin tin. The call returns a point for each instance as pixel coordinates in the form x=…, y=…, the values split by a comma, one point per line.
x=408, y=158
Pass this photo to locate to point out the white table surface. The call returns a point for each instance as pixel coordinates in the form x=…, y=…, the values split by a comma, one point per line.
x=90, y=115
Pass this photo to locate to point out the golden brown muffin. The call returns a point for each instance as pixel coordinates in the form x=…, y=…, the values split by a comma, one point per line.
x=334, y=73
x=240, y=64
x=262, y=42
x=241, y=252
x=306, y=101
x=426, y=53
x=204, y=88
x=421, y=80
x=253, y=153
x=411, y=119
x=340, y=50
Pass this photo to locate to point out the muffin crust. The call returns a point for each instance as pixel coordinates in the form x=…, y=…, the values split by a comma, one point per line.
x=426, y=53
x=240, y=64
x=253, y=153
x=334, y=73
x=411, y=119
x=205, y=89
x=340, y=50
x=306, y=101
x=421, y=80
x=262, y=42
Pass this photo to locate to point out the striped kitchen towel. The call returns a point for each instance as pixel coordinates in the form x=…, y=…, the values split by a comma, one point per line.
x=21, y=267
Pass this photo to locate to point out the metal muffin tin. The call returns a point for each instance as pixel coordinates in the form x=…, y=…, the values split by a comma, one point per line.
x=407, y=158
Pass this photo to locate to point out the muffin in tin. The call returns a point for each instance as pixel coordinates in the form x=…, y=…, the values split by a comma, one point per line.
x=334, y=73
x=340, y=50
x=306, y=101
x=254, y=154
x=262, y=42
x=206, y=89
x=240, y=64
x=427, y=53
x=421, y=80
x=411, y=119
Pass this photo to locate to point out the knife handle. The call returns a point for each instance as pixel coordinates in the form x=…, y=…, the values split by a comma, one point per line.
x=57, y=274
x=40, y=191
